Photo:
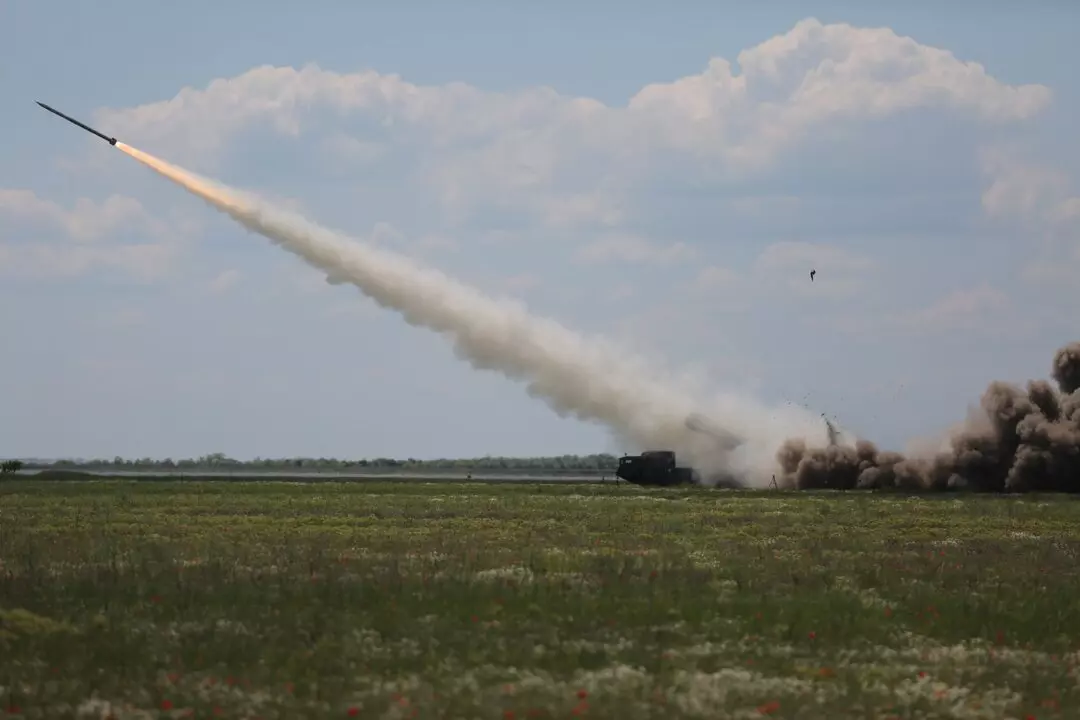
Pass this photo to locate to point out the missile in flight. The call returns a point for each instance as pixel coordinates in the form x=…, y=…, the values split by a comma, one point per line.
x=106, y=138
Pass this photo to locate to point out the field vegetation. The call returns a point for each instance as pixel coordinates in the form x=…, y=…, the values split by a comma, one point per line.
x=427, y=600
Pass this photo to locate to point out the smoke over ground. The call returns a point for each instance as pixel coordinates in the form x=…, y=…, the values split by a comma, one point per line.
x=587, y=379
x=1018, y=440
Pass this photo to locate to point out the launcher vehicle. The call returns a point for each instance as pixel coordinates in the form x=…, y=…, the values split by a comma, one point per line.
x=654, y=467
x=659, y=467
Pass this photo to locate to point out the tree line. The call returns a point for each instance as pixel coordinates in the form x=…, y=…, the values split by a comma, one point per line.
x=584, y=464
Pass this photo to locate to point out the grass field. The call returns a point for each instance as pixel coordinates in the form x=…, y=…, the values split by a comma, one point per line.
x=383, y=600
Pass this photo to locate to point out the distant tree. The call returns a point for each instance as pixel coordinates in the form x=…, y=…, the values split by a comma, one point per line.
x=10, y=467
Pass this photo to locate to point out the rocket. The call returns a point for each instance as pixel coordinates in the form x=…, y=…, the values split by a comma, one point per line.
x=111, y=141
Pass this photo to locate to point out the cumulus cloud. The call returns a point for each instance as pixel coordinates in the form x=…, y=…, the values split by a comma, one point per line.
x=88, y=232
x=788, y=83
x=1040, y=202
x=85, y=221
x=599, y=170
x=572, y=160
x=1021, y=187
x=815, y=73
x=352, y=151
x=602, y=173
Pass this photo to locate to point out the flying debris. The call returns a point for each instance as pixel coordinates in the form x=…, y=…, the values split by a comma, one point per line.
x=834, y=434
x=106, y=138
x=812, y=274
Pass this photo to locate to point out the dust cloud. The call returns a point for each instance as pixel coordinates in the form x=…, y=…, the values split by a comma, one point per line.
x=1019, y=439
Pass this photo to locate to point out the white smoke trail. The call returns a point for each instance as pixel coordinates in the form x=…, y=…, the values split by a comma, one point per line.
x=590, y=380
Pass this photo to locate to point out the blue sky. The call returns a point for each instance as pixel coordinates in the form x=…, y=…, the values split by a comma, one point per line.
x=939, y=204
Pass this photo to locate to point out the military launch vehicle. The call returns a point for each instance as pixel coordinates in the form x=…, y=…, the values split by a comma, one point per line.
x=659, y=467
x=654, y=467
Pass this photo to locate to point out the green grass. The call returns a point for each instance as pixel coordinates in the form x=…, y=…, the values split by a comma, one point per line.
x=384, y=600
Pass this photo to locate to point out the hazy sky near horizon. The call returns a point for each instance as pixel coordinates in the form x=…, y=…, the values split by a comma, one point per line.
x=663, y=174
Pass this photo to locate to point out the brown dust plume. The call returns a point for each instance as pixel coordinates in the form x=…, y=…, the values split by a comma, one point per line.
x=1022, y=439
